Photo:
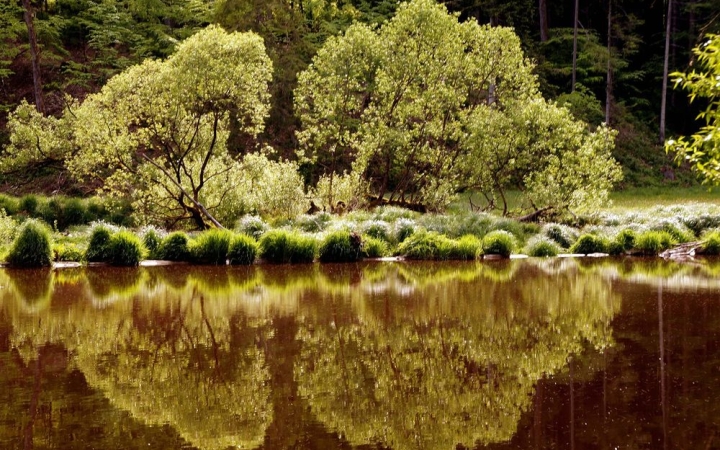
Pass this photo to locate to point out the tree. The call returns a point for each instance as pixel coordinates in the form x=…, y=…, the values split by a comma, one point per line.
x=702, y=149
x=157, y=132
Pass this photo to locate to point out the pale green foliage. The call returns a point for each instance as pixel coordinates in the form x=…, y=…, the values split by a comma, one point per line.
x=702, y=150
x=392, y=102
x=333, y=189
x=157, y=131
x=35, y=138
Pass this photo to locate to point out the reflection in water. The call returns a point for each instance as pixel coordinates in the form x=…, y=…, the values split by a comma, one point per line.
x=407, y=355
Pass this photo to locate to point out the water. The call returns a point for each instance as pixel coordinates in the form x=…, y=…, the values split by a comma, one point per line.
x=556, y=353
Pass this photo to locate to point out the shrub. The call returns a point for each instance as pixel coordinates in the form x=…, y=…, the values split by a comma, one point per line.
x=378, y=229
x=542, y=246
x=125, y=249
x=710, y=243
x=374, y=248
x=679, y=232
x=31, y=248
x=563, y=235
x=282, y=246
x=151, y=240
x=623, y=242
x=590, y=243
x=28, y=204
x=403, y=229
x=174, y=247
x=468, y=247
x=653, y=242
x=313, y=223
x=699, y=223
x=67, y=252
x=98, y=250
x=426, y=245
x=253, y=226
x=340, y=246
x=211, y=247
x=498, y=242
x=9, y=204
x=243, y=250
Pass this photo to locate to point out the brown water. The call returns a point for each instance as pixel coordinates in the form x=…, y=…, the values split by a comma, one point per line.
x=561, y=353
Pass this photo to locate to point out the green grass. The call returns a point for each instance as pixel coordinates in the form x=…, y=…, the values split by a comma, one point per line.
x=648, y=197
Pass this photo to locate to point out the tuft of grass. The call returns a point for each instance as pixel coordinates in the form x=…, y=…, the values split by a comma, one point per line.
x=174, y=247
x=623, y=242
x=653, y=242
x=590, y=243
x=498, y=242
x=125, y=249
x=283, y=247
x=341, y=246
x=374, y=248
x=243, y=250
x=67, y=251
x=98, y=250
x=467, y=248
x=426, y=245
x=378, y=229
x=542, y=246
x=211, y=247
x=710, y=243
x=151, y=240
x=253, y=226
x=563, y=235
x=31, y=247
x=403, y=229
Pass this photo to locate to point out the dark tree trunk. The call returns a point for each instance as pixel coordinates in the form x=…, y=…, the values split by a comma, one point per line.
x=29, y=15
x=609, y=80
x=575, y=33
x=544, y=27
x=663, y=101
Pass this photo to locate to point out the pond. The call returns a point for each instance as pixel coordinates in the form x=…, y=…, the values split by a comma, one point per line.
x=537, y=353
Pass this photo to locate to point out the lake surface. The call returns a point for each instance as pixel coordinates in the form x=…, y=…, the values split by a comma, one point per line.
x=523, y=354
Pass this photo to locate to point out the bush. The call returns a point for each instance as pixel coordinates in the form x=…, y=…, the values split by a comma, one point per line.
x=563, y=235
x=281, y=246
x=403, y=229
x=28, y=204
x=679, y=232
x=253, y=226
x=211, y=247
x=31, y=248
x=125, y=249
x=378, y=229
x=542, y=246
x=151, y=240
x=590, y=243
x=174, y=247
x=468, y=247
x=98, y=250
x=313, y=223
x=710, y=243
x=427, y=245
x=243, y=250
x=653, y=242
x=624, y=241
x=374, y=248
x=498, y=242
x=340, y=246
x=67, y=252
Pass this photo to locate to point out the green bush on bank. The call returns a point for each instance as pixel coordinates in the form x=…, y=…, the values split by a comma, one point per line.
x=623, y=242
x=498, y=242
x=426, y=245
x=174, y=247
x=590, y=243
x=285, y=247
x=374, y=248
x=31, y=247
x=710, y=244
x=542, y=246
x=98, y=247
x=211, y=247
x=651, y=243
x=151, y=240
x=243, y=250
x=341, y=246
x=125, y=249
x=466, y=248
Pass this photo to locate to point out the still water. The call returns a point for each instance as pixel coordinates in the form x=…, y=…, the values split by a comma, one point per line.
x=557, y=353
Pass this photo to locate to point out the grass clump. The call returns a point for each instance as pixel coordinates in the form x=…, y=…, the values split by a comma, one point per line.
x=426, y=245
x=542, y=246
x=563, y=235
x=710, y=244
x=313, y=223
x=374, y=248
x=403, y=229
x=211, y=247
x=623, y=242
x=125, y=249
x=174, y=247
x=466, y=248
x=151, y=239
x=283, y=247
x=378, y=229
x=341, y=246
x=243, y=250
x=67, y=251
x=498, y=242
x=253, y=226
x=653, y=242
x=98, y=247
x=31, y=247
x=590, y=243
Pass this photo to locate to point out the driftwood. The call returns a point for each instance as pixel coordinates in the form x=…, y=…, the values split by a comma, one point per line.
x=376, y=201
x=682, y=251
x=534, y=216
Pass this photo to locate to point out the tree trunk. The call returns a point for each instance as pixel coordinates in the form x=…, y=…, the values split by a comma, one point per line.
x=575, y=33
x=29, y=15
x=609, y=80
x=663, y=101
x=544, y=27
